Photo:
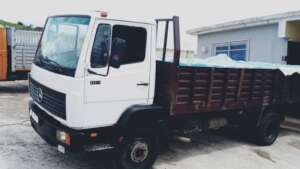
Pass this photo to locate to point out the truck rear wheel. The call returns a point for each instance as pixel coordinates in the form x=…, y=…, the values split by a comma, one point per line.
x=137, y=152
x=268, y=130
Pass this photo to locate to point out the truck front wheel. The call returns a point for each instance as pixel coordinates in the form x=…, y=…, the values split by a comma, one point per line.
x=268, y=130
x=137, y=152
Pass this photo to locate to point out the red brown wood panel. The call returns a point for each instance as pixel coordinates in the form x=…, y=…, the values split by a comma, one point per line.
x=197, y=90
x=222, y=89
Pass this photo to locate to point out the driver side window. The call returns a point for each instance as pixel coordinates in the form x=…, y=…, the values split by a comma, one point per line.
x=101, y=47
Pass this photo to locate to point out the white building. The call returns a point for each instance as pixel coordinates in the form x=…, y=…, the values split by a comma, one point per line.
x=274, y=39
x=170, y=53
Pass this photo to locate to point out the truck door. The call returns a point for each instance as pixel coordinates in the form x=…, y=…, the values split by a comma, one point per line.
x=115, y=89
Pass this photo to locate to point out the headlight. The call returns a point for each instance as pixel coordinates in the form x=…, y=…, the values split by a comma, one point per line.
x=63, y=137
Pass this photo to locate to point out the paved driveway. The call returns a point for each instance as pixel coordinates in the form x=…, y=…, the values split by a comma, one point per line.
x=22, y=148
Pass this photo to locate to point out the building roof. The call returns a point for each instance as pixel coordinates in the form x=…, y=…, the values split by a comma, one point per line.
x=246, y=23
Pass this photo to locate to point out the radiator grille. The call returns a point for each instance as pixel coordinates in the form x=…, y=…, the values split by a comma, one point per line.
x=51, y=100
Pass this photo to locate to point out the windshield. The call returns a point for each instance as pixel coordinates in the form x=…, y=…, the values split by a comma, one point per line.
x=61, y=43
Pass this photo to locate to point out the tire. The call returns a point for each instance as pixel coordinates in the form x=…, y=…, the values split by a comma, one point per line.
x=268, y=130
x=137, y=152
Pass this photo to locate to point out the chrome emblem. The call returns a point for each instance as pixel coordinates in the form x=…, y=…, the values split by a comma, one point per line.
x=40, y=95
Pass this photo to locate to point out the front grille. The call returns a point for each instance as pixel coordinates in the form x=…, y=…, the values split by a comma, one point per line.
x=51, y=100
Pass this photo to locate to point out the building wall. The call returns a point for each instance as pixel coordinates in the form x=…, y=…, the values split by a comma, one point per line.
x=264, y=43
x=170, y=54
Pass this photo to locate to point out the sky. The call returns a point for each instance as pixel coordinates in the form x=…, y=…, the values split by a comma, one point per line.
x=192, y=13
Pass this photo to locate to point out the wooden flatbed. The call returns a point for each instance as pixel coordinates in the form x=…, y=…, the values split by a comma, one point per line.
x=192, y=90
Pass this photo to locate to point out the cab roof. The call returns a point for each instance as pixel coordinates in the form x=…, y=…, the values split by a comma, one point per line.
x=97, y=15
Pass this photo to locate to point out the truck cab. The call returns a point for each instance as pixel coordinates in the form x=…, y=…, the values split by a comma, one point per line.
x=89, y=71
x=95, y=67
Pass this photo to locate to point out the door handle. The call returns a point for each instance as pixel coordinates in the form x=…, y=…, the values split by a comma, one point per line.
x=142, y=84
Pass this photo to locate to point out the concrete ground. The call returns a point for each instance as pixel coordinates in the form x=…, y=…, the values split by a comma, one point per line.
x=22, y=148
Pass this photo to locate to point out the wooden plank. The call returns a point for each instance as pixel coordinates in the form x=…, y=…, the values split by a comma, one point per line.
x=240, y=85
x=225, y=86
x=193, y=84
x=211, y=81
x=263, y=89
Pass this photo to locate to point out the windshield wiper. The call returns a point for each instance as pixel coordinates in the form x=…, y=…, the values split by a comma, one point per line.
x=38, y=60
x=53, y=63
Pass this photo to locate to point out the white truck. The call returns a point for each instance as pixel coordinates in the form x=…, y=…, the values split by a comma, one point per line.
x=96, y=84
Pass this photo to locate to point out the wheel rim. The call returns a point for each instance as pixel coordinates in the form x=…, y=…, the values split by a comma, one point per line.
x=272, y=130
x=139, y=152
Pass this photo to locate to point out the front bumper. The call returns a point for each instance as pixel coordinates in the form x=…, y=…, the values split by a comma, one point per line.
x=81, y=140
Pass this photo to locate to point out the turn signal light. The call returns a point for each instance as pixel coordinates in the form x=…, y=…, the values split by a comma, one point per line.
x=93, y=135
x=63, y=137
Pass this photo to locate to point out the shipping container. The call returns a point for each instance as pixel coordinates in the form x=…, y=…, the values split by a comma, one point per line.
x=18, y=48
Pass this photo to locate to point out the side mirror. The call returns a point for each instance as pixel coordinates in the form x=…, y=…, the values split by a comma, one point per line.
x=118, y=52
x=115, y=61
